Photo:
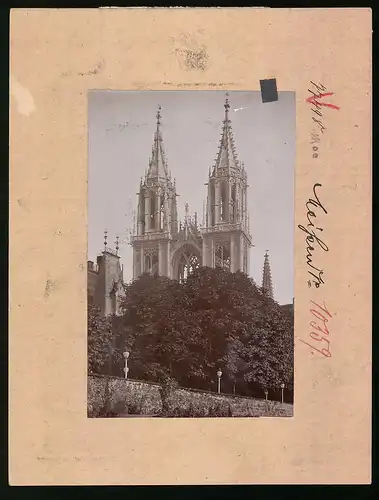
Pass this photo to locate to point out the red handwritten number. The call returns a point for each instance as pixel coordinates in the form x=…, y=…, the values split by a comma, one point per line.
x=318, y=315
x=322, y=308
x=323, y=329
x=315, y=100
x=314, y=325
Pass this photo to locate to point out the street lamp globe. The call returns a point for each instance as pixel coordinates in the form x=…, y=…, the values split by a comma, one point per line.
x=219, y=373
x=126, y=354
x=282, y=385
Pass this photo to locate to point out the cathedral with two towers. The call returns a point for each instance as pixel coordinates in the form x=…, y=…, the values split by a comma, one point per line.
x=165, y=246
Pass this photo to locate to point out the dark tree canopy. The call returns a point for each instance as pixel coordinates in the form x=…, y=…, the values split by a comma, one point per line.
x=99, y=339
x=102, y=341
x=215, y=319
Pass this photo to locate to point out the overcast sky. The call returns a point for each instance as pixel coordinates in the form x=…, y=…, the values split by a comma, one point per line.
x=121, y=129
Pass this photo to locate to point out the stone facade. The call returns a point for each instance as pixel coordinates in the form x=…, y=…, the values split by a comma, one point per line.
x=165, y=246
x=105, y=282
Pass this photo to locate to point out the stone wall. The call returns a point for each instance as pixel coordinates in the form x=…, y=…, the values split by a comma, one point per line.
x=116, y=390
x=145, y=396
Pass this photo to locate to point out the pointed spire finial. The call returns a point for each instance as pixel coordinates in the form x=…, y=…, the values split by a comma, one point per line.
x=226, y=157
x=105, y=240
x=117, y=244
x=158, y=169
x=226, y=105
x=159, y=115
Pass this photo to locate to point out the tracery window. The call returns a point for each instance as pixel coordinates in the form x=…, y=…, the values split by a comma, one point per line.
x=212, y=204
x=243, y=205
x=233, y=204
x=188, y=262
x=162, y=215
x=151, y=262
x=142, y=213
x=222, y=255
x=223, y=203
x=153, y=209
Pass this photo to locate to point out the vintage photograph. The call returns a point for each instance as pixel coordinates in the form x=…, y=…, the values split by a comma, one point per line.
x=190, y=254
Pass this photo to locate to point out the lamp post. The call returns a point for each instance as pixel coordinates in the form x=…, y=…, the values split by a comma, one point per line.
x=219, y=374
x=126, y=369
x=282, y=388
x=266, y=394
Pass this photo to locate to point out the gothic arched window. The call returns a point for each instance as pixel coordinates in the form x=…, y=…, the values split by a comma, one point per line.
x=142, y=213
x=151, y=261
x=242, y=197
x=154, y=264
x=223, y=202
x=233, y=204
x=162, y=214
x=212, y=204
x=172, y=211
x=222, y=256
x=188, y=262
x=147, y=266
x=153, y=209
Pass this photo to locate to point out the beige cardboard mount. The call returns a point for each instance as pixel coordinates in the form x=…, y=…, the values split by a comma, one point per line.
x=56, y=57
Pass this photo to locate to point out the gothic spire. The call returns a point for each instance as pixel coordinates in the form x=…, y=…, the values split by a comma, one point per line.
x=226, y=156
x=266, y=279
x=158, y=164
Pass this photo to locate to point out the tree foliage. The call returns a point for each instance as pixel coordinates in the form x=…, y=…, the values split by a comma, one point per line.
x=99, y=339
x=103, y=351
x=215, y=319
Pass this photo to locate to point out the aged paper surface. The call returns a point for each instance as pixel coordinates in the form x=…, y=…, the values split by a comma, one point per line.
x=56, y=57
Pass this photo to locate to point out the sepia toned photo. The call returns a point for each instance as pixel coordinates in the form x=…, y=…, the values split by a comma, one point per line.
x=190, y=254
x=189, y=247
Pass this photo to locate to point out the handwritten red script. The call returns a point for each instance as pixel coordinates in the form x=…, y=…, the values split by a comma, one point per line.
x=321, y=335
x=315, y=100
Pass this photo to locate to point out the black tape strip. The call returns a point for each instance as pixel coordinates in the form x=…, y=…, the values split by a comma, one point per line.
x=269, y=92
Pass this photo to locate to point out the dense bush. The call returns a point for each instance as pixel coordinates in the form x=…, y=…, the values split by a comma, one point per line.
x=168, y=393
x=220, y=410
x=113, y=397
x=214, y=319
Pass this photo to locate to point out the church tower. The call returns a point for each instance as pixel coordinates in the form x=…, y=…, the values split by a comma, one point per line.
x=226, y=237
x=157, y=217
x=105, y=285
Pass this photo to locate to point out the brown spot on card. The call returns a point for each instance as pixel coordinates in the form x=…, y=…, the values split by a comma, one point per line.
x=193, y=59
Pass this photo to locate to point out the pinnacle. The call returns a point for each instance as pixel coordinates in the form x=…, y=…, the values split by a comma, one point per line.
x=226, y=156
x=266, y=278
x=158, y=163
